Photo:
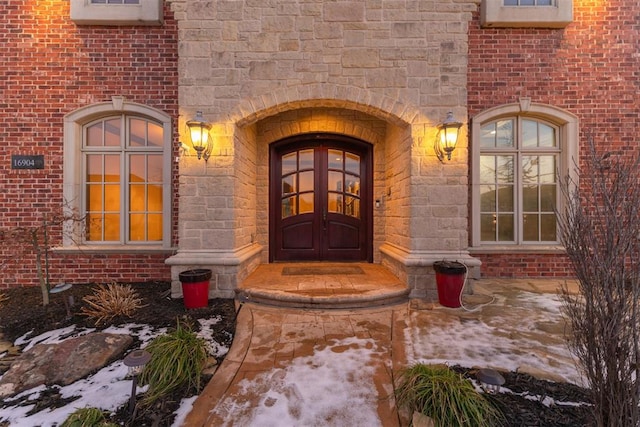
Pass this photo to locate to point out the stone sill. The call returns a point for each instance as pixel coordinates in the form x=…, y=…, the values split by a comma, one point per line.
x=113, y=249
x=494, y=15
x=521, y=249
x=148, y=12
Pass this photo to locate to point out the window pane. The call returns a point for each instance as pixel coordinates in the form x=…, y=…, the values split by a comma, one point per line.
x=112, y=227
x=136, y=198
x=547, y=169
x=112, y=168
x=154, y=168
x=504, y=136
x=94, y=226
x=154, y=198
x=548, y=198
x=94, y=198
x=487, y=169
x=112, y=132
x=155, y=135
x=530, y=225
x=530, y=198
x=488, y=135
x=505, y=169
x=335, y=181
x=505, y=198
x=306, y=202
x=335, y=159
x=112, y=197
x=289, y=163
x=94, y=168
x=306, y=181
x=137, y=133
x=546, y=136
x=306, y=159
x=94, y=135
x=505, y=228
x=530, y=169
x=289, y=207
x=488, y=227
x=137, y=168
x=548, y=228
x=352, y=163
x=154, y=227
x=487, y=198
x=335, y=203
x=529, y=133
x=136, y=227
x=289, y=184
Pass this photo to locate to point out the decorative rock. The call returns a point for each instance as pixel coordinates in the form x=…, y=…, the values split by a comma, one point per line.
x=541, y=374
x=421, y=420
x=62, y=363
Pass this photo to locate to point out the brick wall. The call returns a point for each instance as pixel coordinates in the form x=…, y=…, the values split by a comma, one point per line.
x=50, y=67
x=591, y=68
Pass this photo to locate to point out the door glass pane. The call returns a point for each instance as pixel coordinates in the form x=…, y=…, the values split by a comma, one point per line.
x=306, y=159
x=289, y=163
x=289, y=207
x=305, y=181
x=352, y=206
x=306, y=203
x=335, y=181
x=352, y=163
x=335, y=203
x=353, y=184
x=289, y=184
x=335, y=159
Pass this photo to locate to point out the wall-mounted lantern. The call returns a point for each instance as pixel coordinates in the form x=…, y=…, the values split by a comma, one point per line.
x=447, y=137
x=200, y=138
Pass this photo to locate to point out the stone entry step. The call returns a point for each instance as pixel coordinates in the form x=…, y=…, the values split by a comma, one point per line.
x=323, y=285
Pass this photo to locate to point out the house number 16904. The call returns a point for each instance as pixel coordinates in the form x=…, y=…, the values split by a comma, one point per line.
x=27, y=162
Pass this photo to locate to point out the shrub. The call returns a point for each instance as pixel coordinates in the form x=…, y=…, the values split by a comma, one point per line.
x=111, y=301
x=177, y=359
x=3, y=298
x=87, y=417
x=444, y=395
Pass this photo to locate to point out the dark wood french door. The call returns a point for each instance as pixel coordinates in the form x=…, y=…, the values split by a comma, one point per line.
x=320, y=197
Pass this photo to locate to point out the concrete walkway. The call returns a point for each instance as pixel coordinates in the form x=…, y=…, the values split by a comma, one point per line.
x=283, y=357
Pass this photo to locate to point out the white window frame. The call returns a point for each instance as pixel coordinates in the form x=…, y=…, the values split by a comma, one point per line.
x=567, y=125
x=148, y=12
x=74, y=181
x=494, y=14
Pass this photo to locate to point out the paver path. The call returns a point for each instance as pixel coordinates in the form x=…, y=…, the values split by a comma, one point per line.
x=285, y=360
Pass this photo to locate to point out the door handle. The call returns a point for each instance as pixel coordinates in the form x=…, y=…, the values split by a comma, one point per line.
x=324, y=219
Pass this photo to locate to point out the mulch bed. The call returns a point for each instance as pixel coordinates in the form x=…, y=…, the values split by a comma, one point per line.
x=23, y=312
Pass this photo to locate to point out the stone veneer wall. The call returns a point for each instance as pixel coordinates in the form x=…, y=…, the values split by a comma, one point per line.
x=262, y=70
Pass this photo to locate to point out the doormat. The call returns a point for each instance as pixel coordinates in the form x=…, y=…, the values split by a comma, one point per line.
x=321, y=270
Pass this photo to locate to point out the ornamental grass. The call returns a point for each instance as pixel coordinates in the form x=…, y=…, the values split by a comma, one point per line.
x=87, y=417
x=445, y=396
x=177, y=360
x=111, y=301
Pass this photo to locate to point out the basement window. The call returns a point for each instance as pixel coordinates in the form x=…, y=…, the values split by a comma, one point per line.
x=526, y=13
x=116, y=12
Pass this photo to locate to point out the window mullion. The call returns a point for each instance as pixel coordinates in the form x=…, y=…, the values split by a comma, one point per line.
x=124, y=182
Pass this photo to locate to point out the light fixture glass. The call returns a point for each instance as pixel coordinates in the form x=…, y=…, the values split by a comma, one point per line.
x=447, y=137
x=199, y=133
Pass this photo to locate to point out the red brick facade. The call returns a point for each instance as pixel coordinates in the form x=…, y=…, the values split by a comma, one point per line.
x=591, y=68
x=50, y=67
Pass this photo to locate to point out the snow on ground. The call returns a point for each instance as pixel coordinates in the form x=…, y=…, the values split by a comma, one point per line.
x=107, y=389
x=312, y=391
x=504, y=340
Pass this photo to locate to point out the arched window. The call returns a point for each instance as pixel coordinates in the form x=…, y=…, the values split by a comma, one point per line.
x=518, y=156
x=117, y=176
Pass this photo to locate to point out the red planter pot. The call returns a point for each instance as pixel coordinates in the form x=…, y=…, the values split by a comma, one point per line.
x=195, y=287
x=450, y=277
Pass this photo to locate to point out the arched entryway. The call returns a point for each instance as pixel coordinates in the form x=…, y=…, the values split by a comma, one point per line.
x=321, y=199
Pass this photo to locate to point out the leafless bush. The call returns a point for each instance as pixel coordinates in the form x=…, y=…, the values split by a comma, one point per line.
x=600, y=230
x=111, y=301
x=3, y=298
